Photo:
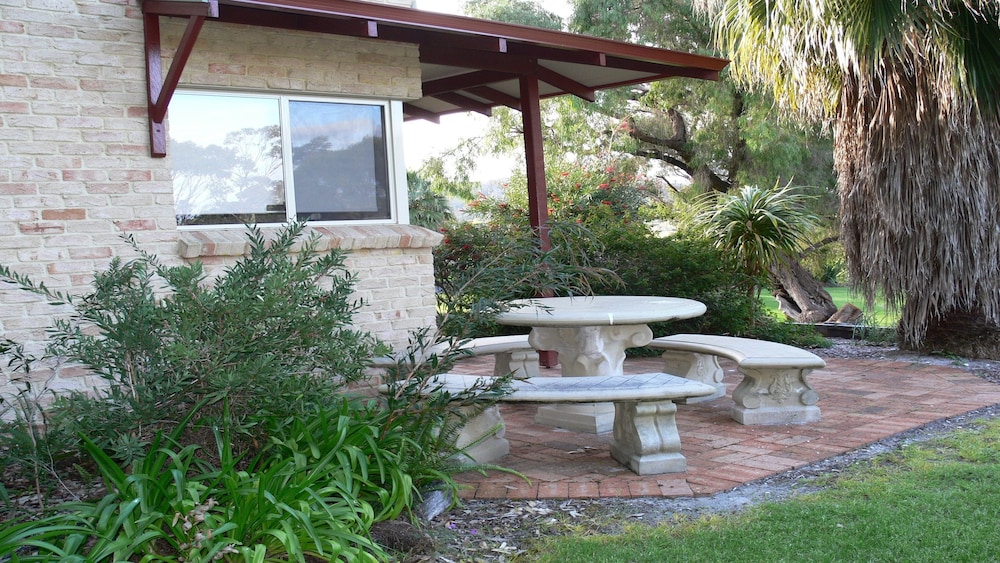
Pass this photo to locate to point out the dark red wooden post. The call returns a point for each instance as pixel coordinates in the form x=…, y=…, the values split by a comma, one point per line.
x=538, y=205
x=531, y=116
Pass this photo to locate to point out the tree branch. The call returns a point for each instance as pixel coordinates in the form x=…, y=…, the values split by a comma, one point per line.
x=677, y=142
x=818, y=245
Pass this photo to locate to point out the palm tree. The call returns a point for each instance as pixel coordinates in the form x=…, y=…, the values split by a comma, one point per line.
x=428, y=208
x=759, y=226
x=911, y=88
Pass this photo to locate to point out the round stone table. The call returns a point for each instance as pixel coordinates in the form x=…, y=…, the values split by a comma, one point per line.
x=591, y=335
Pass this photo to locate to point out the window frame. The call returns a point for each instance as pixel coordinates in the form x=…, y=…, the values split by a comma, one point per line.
x=392, y=115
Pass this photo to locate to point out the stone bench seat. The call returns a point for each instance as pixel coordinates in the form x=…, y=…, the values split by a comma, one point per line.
x=645, y=435
x=512, y=354
x=774, y=389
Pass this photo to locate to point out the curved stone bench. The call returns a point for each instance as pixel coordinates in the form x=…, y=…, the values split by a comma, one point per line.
x=512, y=354
x=645, y=437
x=774, y=389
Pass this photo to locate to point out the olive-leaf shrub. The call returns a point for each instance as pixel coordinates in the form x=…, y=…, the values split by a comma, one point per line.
x=480, y=266
x=271, y=335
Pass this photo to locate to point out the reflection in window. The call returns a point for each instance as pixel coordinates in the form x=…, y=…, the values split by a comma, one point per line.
x=230, y=154
x=338, y=159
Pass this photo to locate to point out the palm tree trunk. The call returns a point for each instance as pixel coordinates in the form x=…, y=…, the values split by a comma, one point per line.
x=968, y=334
x=919, y=180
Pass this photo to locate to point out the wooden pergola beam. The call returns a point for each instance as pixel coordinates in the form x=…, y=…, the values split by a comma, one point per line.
x=566, y=84
x=160, y=88
x=496, y=96
x=465, y=102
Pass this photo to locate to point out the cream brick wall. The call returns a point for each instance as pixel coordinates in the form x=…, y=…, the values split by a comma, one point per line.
x=75, y=170
x=237, y=56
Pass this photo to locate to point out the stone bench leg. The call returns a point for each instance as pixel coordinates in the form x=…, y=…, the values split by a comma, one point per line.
x=698, y=367
x=775, y=396
x=523, y=363
x=489, y=449
x=646, y=439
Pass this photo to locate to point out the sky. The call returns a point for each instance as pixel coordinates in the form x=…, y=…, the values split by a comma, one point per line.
x=423, y=139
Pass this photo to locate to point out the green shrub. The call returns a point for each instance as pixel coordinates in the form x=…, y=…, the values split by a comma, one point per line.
x=769, y=328
x=264, y=357
x=270, y=336
x=497, y=257
x=679, y=266
x=597, y=217
x=479, y=266
x=22, y=442
x=431, y=418
x=487, y=259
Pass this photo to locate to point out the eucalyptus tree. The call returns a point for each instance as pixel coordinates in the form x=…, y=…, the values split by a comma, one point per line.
x=719, y=136
x=716, y=135
x=911, y=90
x=522, y=12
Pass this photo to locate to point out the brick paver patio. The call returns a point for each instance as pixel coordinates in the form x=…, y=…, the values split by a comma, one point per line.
x=862, y=401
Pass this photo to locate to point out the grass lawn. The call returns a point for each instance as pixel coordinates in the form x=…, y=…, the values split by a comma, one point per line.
x=936, y=501
x=841, y=295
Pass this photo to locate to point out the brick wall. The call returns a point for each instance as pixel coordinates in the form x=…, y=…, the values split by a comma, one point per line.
x=240, y=56
x=75, y=170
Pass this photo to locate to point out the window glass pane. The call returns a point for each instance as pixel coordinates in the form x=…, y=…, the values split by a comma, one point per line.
x=226, y=158
x=339, y=161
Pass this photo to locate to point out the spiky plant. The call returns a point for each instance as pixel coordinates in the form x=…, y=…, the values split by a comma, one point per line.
x=758, y=226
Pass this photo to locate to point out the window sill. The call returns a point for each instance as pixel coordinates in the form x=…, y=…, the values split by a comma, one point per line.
x=233, y=242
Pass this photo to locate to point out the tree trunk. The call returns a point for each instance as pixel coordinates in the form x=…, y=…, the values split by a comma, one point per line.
x=849, y=313
x=917, y=169
x=967, y=334
x=800, y=296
